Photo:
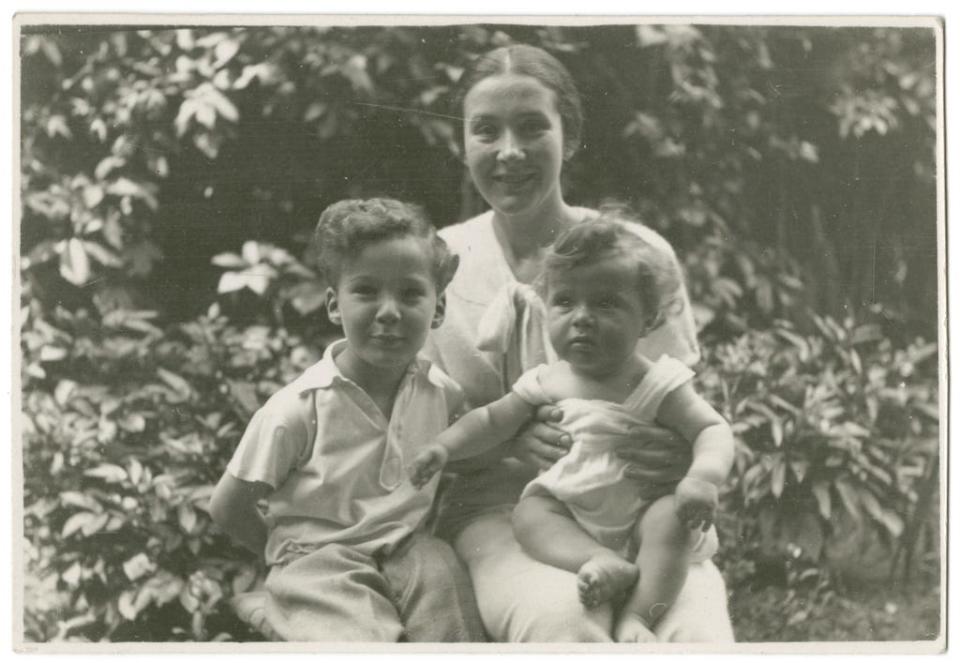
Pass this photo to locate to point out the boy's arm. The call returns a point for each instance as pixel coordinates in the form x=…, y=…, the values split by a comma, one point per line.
x=684, y=411
x=233, y=507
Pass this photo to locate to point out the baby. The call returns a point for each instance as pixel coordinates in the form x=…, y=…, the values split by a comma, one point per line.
x=343, y=534
x=605, y=289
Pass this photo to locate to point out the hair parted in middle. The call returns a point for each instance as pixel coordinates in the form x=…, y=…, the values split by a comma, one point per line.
x=347, y=227
x=659, y=282
x=526, y=60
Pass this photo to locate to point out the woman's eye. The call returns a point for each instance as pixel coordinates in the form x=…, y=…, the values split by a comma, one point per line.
x=484, y=131
x=562, y=302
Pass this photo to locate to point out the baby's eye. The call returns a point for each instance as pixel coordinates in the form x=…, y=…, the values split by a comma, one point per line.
x=562, y=301
x=607, y=303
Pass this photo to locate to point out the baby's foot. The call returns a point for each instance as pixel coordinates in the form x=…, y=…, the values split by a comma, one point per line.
x=603, y=577
x=633, y=629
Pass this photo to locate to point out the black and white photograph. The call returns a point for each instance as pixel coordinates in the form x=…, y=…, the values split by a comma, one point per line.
x=479, y=333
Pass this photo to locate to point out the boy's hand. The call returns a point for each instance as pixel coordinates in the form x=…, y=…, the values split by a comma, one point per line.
x=427, y=463
x=696, y=502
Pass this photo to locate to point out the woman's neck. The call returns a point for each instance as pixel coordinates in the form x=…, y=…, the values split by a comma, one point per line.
x=526, y=234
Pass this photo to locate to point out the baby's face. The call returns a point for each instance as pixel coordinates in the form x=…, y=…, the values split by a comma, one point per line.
x=386, y=301
x=596, y=315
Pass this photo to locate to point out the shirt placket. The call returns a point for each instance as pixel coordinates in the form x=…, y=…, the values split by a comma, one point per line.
x=392, y=472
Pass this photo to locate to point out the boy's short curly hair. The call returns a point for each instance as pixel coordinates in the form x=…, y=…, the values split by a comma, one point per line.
x=659, y=281
x=347, y=227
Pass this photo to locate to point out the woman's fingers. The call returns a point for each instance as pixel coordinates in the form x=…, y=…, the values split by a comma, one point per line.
x=549, y=413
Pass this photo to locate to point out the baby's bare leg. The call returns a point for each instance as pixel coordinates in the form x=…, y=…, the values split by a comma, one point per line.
x=548, y=533
x=663, y=559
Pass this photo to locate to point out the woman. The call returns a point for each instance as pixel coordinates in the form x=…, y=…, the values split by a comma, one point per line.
x=522, y=121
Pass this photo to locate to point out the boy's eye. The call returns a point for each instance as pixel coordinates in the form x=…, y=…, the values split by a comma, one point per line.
x=364, y=290
x=413, y=293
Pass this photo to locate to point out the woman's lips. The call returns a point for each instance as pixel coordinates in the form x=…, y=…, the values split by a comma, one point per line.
x=513, y=179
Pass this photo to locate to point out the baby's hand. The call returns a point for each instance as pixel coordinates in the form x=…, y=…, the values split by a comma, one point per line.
x=696, y=502
x=427, y=463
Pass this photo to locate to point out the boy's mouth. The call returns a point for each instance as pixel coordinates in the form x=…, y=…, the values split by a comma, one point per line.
x=388, y=340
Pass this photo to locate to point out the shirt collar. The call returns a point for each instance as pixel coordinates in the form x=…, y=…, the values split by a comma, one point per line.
x=325, y=373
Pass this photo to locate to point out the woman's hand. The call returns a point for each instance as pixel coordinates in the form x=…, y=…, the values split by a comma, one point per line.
x=658, y=458
x=541, y=442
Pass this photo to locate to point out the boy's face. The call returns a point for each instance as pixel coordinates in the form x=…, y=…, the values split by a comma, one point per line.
x=596, y=315
x=386, y=301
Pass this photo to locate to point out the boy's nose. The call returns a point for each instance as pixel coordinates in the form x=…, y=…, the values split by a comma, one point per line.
x=388, y=310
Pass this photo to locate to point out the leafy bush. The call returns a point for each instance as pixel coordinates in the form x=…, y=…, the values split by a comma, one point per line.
x=836, y=430
x=127, y=427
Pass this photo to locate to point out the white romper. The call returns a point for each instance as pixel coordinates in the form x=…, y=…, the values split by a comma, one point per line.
x=590, y=479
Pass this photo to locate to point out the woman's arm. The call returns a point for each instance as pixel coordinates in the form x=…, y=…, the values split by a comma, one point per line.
x=233, y=507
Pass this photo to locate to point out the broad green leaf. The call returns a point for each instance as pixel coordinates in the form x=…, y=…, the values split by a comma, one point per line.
x=80, y=500
x=108, y=472
x=75, y=523
x=187, y=517
x=821, y=491
x=74, y=263
x=138, y=566
x=849, y=496
x=229, y=261
x=52, y=353
x=175, y=382
x=778, y=477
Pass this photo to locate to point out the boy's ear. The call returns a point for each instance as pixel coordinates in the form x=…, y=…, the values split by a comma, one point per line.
x=333, y=307
x=440, y=311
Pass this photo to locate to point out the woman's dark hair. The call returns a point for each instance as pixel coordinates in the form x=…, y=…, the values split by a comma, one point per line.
x=524, y=60
x=347, y=227
x=589, y=242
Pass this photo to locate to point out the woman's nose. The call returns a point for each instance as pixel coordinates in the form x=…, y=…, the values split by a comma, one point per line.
x=510, y=147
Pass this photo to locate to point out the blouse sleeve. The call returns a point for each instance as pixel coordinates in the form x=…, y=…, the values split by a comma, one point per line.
x=277, y=440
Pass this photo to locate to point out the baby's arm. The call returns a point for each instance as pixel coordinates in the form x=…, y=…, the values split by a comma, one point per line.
x=476, y=432
x=697, y=495
x=233, y=507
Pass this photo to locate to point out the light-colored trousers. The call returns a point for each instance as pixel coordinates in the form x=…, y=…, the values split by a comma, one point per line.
x=420, y=593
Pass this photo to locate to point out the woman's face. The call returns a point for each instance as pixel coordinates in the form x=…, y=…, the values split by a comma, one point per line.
x=513, y=139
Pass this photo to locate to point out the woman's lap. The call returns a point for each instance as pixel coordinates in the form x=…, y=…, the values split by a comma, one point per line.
x=522, y=600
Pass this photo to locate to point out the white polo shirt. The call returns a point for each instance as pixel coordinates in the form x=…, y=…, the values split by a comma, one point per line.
x=337, y=466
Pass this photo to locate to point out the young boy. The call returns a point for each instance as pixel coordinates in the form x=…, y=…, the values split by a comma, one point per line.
x=342, y=534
